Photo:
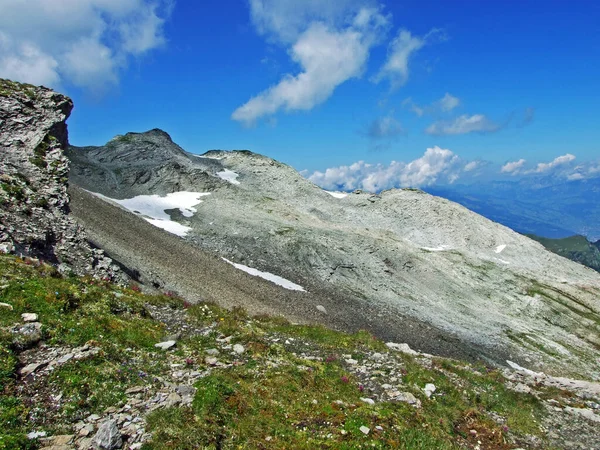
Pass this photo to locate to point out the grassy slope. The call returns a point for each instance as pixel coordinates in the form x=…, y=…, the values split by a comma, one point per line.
x=576, y=248
x=270, y=397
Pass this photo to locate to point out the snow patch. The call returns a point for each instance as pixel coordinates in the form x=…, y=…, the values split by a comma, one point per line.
x=515, y=366
x=229, y=175
x=152, y=208
x=280, y=281
x=337, y=194
x=500, y=248
x=441, y=248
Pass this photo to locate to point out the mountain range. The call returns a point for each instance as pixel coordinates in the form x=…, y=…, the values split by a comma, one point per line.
x=404, y=264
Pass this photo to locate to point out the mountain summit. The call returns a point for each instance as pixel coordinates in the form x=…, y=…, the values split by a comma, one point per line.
x=403, y=264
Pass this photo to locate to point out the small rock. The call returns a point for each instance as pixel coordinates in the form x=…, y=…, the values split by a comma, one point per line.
x=65, y=358
x=368, y=401
x=239, y=349
x=166, y=345
x=172, y=400
x=135, y=390
x=30, y=368
x=404, y=348
x=407, y=397
x=429, y=389
x=6, y=305
x=26, y=336
x=63, y=439
x=351, y=361
x=185, y=390
x=364, y=430
x=212, y=351
x=211, y=360
x=36, y=434
x=108, y=436
x=29, y=317
x=322, y=309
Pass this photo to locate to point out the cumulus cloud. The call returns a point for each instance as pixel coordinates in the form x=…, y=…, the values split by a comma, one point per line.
x=328, y=54
x=400, y=52
x=513, y=167
x=446, y=104
x=473, y=165
x=84, y=42
x=462, y=125
x=517, y=167
x=384, y=128
x=559, y=161
x=436, y=165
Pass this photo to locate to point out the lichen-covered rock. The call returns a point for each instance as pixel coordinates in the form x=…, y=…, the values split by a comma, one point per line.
x=108, y=436
x=34, y=203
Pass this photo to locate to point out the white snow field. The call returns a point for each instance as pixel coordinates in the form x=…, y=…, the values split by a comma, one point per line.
x=267, y=276
x=152, y=208
x=337, y=194
x=229, y=175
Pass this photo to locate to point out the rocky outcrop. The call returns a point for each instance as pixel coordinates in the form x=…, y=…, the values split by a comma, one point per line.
x=34, y=203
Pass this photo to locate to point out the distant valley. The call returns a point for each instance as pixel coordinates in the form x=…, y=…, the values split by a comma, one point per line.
x=542, y=206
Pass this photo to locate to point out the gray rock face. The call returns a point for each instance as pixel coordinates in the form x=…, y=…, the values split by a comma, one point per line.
x=401, y=264
x=28, y=335
x=108, y=436
x=33, y=182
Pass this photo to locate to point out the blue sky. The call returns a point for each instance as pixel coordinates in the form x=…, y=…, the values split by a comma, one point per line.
x=485, y=83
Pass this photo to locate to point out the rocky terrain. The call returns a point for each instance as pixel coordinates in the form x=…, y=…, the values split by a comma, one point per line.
x=404, y=264
x=576, y=248
x=88, y=364
x=108, y=367
x=33, y=182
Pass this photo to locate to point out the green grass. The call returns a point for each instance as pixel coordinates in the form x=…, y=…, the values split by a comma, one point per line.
x=268, y=398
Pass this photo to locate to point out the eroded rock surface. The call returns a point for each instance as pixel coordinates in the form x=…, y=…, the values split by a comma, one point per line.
x=34, y=203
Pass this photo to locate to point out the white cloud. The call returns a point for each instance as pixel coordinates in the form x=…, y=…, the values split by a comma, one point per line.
x=384, y=127
x=435, y=165
x=327, y=55
x=545, y=167
x=446, y=104
x=513, y=167
x=84, y=42
x=462, y=125
x=284, y=20
x=575, y=176
x=473, y=165
x=400, y=50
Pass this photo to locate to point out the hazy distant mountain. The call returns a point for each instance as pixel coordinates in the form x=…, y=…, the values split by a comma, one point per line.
x=538, y=206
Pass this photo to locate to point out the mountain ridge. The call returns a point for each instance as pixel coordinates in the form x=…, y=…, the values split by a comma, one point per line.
x=374, y=248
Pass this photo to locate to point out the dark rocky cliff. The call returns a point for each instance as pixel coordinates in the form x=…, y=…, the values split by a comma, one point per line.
x=34, y=203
